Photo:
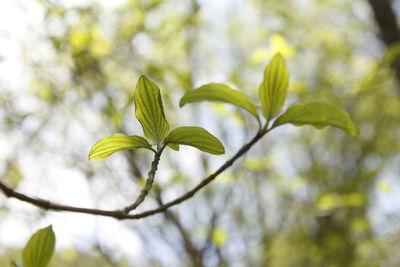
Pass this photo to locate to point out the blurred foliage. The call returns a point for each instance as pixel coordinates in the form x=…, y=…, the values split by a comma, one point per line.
x=69, y=258
x=301, y=198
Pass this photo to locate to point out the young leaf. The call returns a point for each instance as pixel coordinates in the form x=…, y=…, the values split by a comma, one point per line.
x=106, y=146
x=149, y=110
x=39, y=249
x=319, y=115
x=222, y=93
x=273, y=89
x=196, y=137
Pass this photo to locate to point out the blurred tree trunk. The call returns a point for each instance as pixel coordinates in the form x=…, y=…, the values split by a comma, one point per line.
x=385, y=18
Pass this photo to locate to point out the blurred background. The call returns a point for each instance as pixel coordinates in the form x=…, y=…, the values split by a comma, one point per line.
x=301, y=197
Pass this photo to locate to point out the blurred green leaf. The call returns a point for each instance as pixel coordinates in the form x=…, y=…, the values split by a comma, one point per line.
x=14, y=173
x=384, y=187
x=106, y=146
x=273, y=89
x=318, y=115
x=354, y=199
x=221, y=93
x=149, y=110
x=196, y=137
x=219, y=237
x=40, y=248
x=329, y=201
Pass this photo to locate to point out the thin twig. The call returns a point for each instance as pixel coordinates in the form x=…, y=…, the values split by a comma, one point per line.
x=149, y=182
x=386, y=20
x=205, y=181
x=120, y=214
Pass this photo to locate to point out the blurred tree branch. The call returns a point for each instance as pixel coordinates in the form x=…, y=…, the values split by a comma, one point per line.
x=385, y=18
x=195, y=254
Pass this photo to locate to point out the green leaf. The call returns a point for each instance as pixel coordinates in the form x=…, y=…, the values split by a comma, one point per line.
x=221, y=93
x=149, y=110
x=219, y=237
x=106, y=146
x=174, y=146
x=273, y=89
x=39, y=249
x=319, y=115
x=196, y=137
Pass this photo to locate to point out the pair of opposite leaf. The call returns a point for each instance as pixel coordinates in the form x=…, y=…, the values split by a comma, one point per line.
x=150, y=113
x=272, y=94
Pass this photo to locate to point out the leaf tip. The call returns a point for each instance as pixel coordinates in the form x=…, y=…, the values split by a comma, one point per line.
x=142, y=77
x=354, y=131
x=90, y=155
x=278, y=55
x=182, y=102
x=50, y=228
x=220, y=150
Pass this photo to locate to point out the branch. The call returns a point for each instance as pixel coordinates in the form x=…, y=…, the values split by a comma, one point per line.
x=208, y=179
x=120, y=214
x=47, y=205
x=385, y=18
x=149, y=182
x=196, y=256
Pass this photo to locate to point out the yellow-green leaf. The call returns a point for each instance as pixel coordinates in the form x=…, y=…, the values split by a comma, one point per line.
x=273, y=89
x=221, y=93
x=149, y=110
x=106, y=146
x=319, y=115
x=219, y=237
x=196, y=137
x=39, y=249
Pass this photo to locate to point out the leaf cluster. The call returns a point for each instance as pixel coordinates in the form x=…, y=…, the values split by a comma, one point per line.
x=149, y=111
x=272, y=96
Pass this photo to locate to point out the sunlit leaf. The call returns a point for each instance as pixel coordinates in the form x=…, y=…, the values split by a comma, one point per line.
x=40, y=248
x=354, y=199
x=149, y=110
x=329, y=201
x=319, y=115
x=106, y=146
x=221, y=93
x=196, y=137
x=273, y=89
x=384, y=187
x=256, y=163
x=279, y=44
x=219, y=237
